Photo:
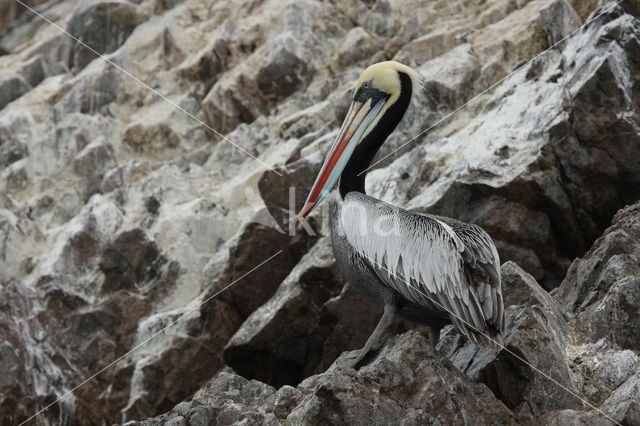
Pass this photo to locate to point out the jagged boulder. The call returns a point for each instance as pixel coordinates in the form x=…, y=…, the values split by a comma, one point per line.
x=92, y=91
x=407, y=382
x=277, y=68
x=548, y=167
x=103, y=25
x=92, y=163
x=535, y=342
x=12, y=86
x=601, y=292
x=13, y=135
x=621, y=408
x=300, y=330
x=600, y=369
x=559, y=20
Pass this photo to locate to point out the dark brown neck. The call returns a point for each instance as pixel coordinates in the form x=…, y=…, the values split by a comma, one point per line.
x=353, y=175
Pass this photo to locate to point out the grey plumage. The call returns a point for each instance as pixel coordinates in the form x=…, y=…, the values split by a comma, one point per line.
x=430, y=269
x=438, y=269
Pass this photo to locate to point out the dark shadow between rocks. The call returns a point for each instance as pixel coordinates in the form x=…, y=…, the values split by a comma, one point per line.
x=508, y=377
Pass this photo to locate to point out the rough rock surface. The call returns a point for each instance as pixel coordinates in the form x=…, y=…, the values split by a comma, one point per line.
x=602, y=289
x=407, y=383
x=135, y=239
x=117, y=17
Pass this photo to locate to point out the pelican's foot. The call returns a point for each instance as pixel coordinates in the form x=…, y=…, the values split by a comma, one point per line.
x=349, y=359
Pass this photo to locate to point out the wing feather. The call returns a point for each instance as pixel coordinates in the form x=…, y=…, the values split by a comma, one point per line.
x=437, y=262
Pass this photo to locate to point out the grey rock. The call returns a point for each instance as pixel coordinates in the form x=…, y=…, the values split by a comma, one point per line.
x=225, y=399
x=357, y=45
x=226, y=106
x=103, y=25
x=92, y=163
x=448, y=80
x=600, y=291
x=520, y=288
x=13, y=137
x=154, y=137
x=15, y=178
x=253, y=244
x=559, y=20
x=6, y=202
x=280, y=67
x=623, y=405
x=275, y=190
x=130, y=259
x=622, y=408
x=275, y=69
x=125, y=174
x=112, y=180
x=54, y=54
x=95, y=88
x=33, y=71
x=398, y=386
x=490, y=74
x=567, y=182
x=535, y=345
x=176, y=421
x=263, y=348
x=277, y=66
x=210, y=61
x=12, y=86
x=164, y=5
x=601, y=369
x=21, y=347
x=201, y=416
x=68, y=204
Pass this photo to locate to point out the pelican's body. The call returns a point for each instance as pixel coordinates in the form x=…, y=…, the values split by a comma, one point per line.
x=419, y=268
x=368, y=275
x=430, y=269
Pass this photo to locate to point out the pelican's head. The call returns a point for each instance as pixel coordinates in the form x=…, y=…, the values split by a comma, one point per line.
x=380, y=100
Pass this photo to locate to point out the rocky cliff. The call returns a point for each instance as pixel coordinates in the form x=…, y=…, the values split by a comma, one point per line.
x=149, y=264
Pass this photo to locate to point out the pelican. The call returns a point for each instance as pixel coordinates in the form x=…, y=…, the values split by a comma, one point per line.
x=430, y=269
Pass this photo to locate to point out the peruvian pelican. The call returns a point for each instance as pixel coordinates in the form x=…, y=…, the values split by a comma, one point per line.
x=430, y=269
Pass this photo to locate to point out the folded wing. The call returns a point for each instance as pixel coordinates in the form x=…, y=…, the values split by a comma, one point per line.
x=440, y=263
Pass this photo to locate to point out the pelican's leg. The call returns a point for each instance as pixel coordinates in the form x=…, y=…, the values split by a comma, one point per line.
x=351, y=359
x=434, y=336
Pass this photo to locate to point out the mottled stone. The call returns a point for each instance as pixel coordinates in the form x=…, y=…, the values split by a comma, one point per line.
x=263, y=348
x=279, y=71
x=559, y=20
x=125, y=174
x=103, y=25
x=600, y=369
x=449, y=79
x=535, y=340
x=34, y=71
x=156, y=137
x=398, y=386
x=621, y=408
x=94, y=89
x=357, y=46
x=92, y=163
x=576, y=179
x=12, y=86
x=13, y=137
x=600, y=291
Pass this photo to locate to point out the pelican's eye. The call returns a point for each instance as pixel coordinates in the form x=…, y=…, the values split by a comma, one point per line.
x=366, y=91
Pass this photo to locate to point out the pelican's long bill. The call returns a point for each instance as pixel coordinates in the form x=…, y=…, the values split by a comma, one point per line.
x=360, y=116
